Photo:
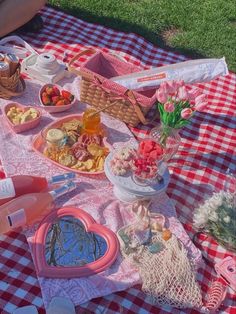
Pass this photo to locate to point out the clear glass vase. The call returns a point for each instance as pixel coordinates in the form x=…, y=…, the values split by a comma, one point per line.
x=143, y=180
x=168, y=138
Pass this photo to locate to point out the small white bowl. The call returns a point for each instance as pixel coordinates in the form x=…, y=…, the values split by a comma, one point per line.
x=54, y=109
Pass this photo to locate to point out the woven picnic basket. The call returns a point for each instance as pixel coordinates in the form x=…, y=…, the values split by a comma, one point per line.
x=98, y=90
x=12, y=86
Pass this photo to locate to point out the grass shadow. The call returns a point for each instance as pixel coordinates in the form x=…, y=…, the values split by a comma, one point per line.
x=157, y=39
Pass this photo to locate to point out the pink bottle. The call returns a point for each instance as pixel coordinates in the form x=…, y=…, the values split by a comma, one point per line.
x=29, y=208
x=22, y=184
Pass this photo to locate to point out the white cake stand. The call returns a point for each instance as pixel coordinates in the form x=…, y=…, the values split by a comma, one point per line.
x=127, y=190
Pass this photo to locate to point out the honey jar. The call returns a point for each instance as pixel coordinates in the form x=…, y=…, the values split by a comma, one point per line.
x=91, y=122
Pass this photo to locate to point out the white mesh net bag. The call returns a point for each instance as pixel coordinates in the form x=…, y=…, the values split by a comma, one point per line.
x=167, y=275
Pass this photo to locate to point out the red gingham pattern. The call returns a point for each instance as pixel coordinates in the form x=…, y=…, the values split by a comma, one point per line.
x=206, y=152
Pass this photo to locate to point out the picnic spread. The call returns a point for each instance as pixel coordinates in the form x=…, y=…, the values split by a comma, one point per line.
x=101, y=204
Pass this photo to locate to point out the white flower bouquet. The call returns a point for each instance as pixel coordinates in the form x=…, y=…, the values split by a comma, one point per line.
x=217, y=216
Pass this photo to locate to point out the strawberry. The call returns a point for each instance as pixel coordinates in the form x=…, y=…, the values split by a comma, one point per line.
x=66, y=101
x=67, y=95
x=60, y=103
x=46, y=100
x=55, y=99
x=49, y=90
x=56, y=91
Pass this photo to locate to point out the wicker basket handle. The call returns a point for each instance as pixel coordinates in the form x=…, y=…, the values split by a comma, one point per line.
x=10, y=93
x=76, y=57
x=91, y=77
x=136, y=107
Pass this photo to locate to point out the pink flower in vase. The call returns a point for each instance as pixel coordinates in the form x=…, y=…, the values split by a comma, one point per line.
x=193, y=93
x=182, y=94
x=169, y=107
x=172, y=87
x=162, y=97
x=200, y=102
x=186, y=113
x=164, y=87
x=180, y=83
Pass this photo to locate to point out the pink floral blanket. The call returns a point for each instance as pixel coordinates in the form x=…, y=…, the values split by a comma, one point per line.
x=94, y=194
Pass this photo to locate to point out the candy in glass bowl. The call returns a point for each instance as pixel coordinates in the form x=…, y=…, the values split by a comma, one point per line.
x=140, y=162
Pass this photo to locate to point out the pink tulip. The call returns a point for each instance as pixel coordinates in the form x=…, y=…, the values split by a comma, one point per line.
x=180, y=83
x=169, y=87
x=200, y=102
x=186, y=113
x=162, y=97
x=172, y=87
x=169, y=107
x=201, y=98
x=201, y=106
x=182, y=93
x=164, y=87
x=193, y=93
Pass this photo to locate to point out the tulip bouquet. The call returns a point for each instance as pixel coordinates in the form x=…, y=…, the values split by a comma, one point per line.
x=177, y=105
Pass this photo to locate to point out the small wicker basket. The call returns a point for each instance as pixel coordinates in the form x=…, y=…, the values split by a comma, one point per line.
x=12, y=86
x=98, y=90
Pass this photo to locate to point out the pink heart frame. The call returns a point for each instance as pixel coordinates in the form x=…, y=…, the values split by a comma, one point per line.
x=39, y=240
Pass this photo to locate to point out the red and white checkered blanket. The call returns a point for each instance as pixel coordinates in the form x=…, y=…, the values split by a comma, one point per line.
x=206, y=152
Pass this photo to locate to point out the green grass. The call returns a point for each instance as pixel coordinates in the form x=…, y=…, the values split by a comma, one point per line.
x=196, y=28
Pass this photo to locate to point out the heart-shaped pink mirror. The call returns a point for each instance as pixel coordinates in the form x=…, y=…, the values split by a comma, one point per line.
x=69, y=243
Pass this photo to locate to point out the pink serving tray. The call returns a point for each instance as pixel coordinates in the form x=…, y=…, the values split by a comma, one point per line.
x=18, y=128
x=39, y=144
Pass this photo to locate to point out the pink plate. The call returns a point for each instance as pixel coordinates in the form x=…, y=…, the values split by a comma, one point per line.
x=39, y=143
x=23, y=126
x=54, y=109
x=41, y=247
